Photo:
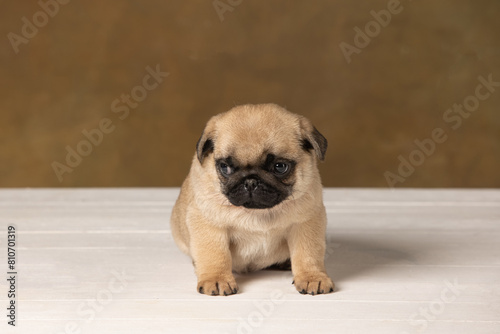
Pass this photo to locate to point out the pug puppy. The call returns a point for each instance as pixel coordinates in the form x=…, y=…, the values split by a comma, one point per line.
x=253, y=199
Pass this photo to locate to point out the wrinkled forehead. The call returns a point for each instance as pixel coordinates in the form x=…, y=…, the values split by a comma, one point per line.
x=250, y=146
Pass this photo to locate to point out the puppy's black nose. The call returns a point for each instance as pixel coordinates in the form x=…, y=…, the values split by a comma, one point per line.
x=250, y=185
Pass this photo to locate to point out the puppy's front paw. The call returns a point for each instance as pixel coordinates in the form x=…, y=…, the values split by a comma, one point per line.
x=218, y=286
x=313, y=283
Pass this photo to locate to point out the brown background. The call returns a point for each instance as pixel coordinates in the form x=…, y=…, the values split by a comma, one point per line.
x=371, y=110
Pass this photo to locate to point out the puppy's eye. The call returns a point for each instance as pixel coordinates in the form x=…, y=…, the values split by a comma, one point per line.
x=281, y=168
x=225, y=169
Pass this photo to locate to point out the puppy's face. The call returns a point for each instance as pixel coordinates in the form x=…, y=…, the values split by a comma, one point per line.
x=260, y=185
x=261, y=154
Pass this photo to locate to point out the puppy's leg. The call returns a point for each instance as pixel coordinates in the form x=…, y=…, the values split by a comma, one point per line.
x=307, y=250
x=212, y=259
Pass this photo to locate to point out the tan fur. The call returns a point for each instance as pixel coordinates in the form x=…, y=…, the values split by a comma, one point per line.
x=221, y=237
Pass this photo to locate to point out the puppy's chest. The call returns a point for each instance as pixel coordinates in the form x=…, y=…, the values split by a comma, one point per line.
x=251, y=246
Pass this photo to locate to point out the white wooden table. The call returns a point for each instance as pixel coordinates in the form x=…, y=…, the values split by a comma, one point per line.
x=103, y=261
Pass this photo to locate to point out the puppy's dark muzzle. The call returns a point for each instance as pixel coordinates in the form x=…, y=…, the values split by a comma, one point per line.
x=250, y=185
x=253, y=193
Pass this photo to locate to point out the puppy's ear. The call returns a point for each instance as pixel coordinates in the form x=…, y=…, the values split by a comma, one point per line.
x=205, y=144
x=312, y=139
x=204, y=147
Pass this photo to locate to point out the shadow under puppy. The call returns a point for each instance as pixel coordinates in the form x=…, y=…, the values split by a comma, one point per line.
x=253, y=199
